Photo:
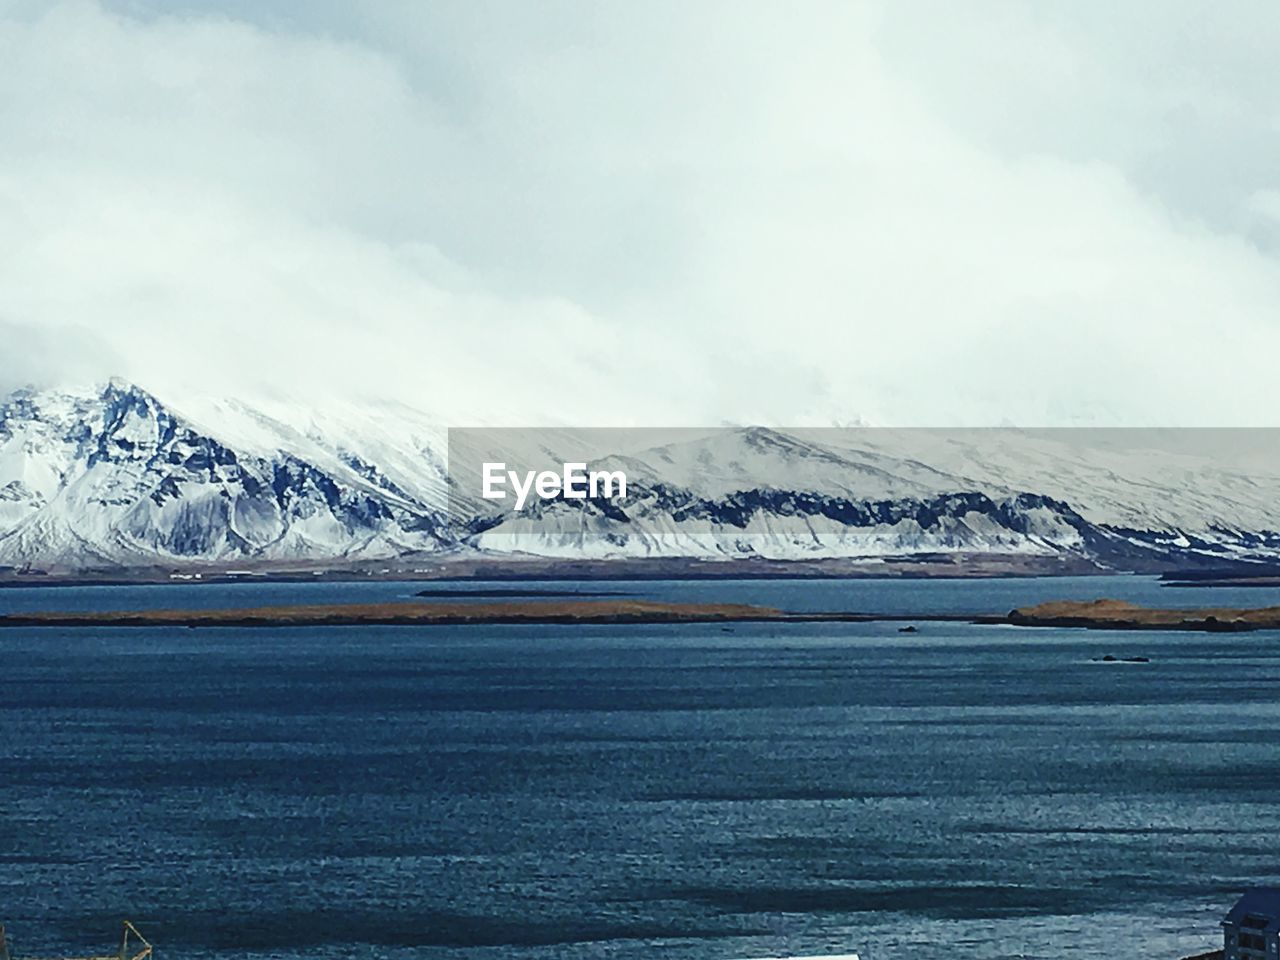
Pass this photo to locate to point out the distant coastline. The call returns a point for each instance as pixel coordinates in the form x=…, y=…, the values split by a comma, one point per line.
x=475, y=567
x=470, y=568
x=547, y=609
x=453, y=613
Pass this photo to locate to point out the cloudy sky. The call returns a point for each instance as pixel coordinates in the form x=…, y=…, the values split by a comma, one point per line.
x=1035, y=212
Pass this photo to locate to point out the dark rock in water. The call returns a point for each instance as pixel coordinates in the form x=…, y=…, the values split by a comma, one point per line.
x=1112, y=658
x=1236, y=624
x=1109, y=658
x=907, y=629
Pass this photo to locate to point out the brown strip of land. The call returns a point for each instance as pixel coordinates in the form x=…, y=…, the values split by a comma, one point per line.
x=1118, y=615
x=1096, y=614
x=436, y=613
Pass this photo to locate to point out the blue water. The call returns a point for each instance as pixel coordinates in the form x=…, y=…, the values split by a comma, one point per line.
x=678, y=792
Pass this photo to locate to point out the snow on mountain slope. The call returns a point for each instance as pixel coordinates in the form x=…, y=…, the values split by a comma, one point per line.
x=112, y=476
x=746, y=458
x=1194, y=481
x=397, y=451
x=1122, y=497
x=779, y=525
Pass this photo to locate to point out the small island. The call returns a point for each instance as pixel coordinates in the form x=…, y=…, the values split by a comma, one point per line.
x=1119, y=615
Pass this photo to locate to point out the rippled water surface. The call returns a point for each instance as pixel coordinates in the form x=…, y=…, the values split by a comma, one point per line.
x=682, y=792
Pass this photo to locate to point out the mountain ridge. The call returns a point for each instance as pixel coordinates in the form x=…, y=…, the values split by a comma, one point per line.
x=111, y=477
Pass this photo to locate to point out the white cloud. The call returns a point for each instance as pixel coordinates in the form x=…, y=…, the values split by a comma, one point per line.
x=623, y=213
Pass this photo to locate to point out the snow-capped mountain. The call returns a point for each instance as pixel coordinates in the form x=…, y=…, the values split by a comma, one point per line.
x=113, y=477
x=1124, y=498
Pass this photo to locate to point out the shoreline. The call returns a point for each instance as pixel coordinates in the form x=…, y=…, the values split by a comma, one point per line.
x=1088, y=615
x=468, y=569
x=419, y=613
